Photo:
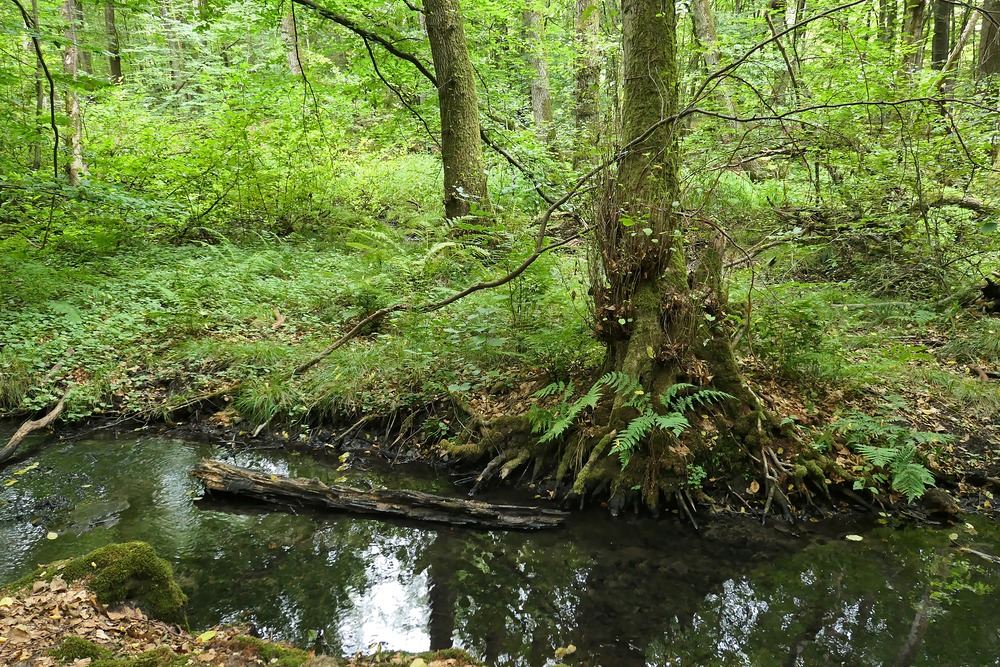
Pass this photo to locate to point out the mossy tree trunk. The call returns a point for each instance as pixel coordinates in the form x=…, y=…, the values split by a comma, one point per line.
x=461, y=148
x=658, y=294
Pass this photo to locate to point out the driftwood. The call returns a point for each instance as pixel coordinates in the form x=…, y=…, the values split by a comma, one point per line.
x=31, y=426
x=221, y=477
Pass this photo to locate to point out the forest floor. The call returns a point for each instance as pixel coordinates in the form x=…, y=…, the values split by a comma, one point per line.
x=207, y=337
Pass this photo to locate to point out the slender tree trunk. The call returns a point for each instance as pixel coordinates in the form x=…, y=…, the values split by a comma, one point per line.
x=941, y=41
x=86, y=63
x=114, y=47
x=913, y=35
x=290, y=36
x=174, y=44
x=71, y=65
x=588, y=75
x=461, y=147
x=36, y=154
x=989, y=46
x=887, y=22
x=541, y=97
x=708, y=39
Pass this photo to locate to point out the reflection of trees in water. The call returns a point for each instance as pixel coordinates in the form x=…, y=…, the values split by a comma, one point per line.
x=844, y=604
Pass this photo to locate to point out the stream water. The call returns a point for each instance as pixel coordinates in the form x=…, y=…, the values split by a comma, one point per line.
x=624, y=592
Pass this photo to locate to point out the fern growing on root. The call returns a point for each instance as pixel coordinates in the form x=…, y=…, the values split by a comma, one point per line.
x=554, y=423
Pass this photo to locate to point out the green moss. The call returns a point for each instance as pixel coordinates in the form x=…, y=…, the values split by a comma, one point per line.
x=76, y=648
x=271, y=654
x=448, y=654
x=120, y=572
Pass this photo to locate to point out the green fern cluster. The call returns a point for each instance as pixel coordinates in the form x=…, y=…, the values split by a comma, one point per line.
x=891, y=452
x=553, y=423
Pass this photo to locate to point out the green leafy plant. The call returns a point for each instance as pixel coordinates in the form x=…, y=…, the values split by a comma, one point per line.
x=553, y=423
x=891, y=452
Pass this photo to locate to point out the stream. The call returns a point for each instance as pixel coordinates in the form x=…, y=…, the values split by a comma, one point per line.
x=625, y=592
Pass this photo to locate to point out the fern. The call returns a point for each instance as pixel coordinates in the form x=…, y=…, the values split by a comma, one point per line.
x=633, y=434
x=890, y=452
x=879, y=457
x=562, y=423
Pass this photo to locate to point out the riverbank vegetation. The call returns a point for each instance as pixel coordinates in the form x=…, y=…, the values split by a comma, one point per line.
x=735, y=257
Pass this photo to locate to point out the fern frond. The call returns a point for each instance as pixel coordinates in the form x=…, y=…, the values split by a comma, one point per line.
x=667, y=397
x=622, y=383
x=911, y=479
x=562, y=424
x=553, y=389
x=674, y=421
x=629, y=439
x=877, y=456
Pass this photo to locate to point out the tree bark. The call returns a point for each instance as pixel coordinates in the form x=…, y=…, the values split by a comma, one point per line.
x=290, y=36
x=71, y=66
x=913, y=34
x=658, y=307
x=461, y=148
x=36, y=153
x=541, y=97
x=941, y=40
x=114, y=47
x=708, y=39
x=989, y=47
x=175, y=46
x=887, y=22
x=588, y=75
x=30, y=426
x=295, y=492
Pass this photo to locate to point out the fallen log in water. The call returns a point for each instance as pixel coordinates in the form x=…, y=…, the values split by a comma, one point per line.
x=221, y=477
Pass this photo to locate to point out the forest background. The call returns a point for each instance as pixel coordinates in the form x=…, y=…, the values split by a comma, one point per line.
x=197, y=199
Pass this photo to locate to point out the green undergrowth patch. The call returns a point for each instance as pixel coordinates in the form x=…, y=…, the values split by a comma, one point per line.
x=77, y=648
x=141, y=330
x=120, y=572
x=268, y=653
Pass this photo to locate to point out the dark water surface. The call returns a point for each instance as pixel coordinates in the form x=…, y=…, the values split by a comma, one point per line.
x=623, y=592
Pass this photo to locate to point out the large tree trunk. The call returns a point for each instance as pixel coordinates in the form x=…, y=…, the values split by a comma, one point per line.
x=71, y=66
x=114, y=48
x=461, y=148
x=659, y=310
x=989, y=47
x=588, y=75
x=541, y=97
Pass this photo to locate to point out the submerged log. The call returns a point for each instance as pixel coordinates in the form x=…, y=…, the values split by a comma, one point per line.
x=221, y=477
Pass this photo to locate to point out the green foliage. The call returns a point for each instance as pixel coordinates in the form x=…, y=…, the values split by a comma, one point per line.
x=554, y=422
x=890, y=449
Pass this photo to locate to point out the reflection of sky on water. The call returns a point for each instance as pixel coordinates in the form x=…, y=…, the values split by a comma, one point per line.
x=393, y=609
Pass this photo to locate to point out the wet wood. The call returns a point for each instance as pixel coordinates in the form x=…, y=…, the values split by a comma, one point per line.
x=30, y=426
x=221, y=477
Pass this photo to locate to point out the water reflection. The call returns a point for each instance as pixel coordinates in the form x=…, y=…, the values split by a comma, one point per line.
x=623, y=592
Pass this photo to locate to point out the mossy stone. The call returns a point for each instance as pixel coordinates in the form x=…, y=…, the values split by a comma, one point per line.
x=120, y=572
x=77, y=648
x=271, y=654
